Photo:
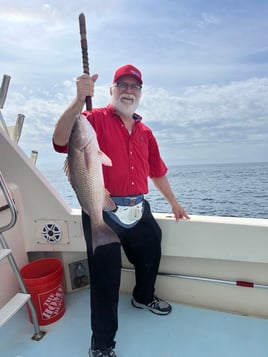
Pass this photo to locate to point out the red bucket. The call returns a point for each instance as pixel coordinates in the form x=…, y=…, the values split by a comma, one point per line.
x=43, y=280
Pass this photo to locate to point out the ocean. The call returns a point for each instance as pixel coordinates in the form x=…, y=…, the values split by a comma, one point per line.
x=232, y=190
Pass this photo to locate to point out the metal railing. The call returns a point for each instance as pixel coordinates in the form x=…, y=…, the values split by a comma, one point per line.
x=38, y=334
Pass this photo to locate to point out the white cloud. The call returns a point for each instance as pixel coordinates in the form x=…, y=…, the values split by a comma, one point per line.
x=197, y=117
x=236, y=102
x=205, y=86
x=208, y=19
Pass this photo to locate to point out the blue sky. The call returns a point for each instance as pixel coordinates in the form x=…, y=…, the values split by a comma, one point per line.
x=204, y=63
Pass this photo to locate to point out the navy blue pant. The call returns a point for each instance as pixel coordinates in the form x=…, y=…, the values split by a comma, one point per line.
x=142, y=246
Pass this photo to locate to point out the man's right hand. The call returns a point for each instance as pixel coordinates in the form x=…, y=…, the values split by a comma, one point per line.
x=85, y=86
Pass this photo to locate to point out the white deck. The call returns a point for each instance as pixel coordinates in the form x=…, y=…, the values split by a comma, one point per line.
x=186, y=332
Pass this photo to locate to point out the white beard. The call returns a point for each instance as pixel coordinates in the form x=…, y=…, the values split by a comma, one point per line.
x=125, y=108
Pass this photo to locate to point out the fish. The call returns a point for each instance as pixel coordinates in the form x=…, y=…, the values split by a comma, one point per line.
x=83, y=168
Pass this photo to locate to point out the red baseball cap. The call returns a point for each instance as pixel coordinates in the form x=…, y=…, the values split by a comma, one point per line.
x=128, y=70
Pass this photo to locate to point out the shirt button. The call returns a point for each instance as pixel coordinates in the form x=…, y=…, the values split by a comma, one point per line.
x=132, y=183
x=130, y=152
x=132, y=167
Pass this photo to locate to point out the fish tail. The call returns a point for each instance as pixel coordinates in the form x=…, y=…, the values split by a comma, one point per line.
x=103, y=235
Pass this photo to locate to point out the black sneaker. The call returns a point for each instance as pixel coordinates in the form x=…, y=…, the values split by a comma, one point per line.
x=157, y=306
x=109, y=352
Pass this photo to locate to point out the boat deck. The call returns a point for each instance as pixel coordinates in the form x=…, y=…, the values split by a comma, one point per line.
x=187, y=332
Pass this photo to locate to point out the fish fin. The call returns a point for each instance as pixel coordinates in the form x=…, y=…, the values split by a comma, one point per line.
x=87, y=159
x=103, y=235
x=105, y=160
x=66, y=169
x=108, y=203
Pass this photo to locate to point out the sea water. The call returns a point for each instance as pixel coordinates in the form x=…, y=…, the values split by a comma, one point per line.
x=232, y=190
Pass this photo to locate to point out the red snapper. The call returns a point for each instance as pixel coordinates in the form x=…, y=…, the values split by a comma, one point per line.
x=83, y=167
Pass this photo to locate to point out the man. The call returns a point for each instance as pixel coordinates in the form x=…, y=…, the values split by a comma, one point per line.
x=135, y=156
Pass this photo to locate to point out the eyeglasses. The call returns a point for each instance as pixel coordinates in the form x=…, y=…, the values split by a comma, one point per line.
x=125, y=86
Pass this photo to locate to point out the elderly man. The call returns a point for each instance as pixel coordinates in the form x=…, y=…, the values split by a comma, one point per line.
x=135, y=156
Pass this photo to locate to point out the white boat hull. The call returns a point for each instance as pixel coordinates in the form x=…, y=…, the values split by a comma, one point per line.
x=220, y=248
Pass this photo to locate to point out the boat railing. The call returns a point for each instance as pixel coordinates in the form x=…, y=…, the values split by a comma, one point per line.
x=20, y=299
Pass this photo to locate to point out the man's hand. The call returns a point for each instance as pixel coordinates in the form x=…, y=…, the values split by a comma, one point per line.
x=85, y=86
x=179, y=212
x=163, y=186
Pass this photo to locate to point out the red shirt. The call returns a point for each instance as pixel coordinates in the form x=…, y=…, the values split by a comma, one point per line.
x=134, y=156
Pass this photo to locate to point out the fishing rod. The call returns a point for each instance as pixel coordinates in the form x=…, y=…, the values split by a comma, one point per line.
x=83, y=37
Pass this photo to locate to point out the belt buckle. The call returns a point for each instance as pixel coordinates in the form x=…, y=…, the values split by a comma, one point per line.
x=132, y=201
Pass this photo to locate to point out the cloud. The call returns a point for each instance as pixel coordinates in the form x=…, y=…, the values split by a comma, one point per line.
x=242, y=102
x=198, y=116
x=204, y=65
x=206, y=119
x=208, y=19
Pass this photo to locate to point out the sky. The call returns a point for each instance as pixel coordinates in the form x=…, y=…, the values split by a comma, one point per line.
x=204, y=66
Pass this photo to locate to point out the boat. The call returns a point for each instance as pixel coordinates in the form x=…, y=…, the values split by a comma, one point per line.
x=213, y=270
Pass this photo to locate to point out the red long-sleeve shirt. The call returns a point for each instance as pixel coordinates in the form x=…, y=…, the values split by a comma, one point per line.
x=135, y=156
